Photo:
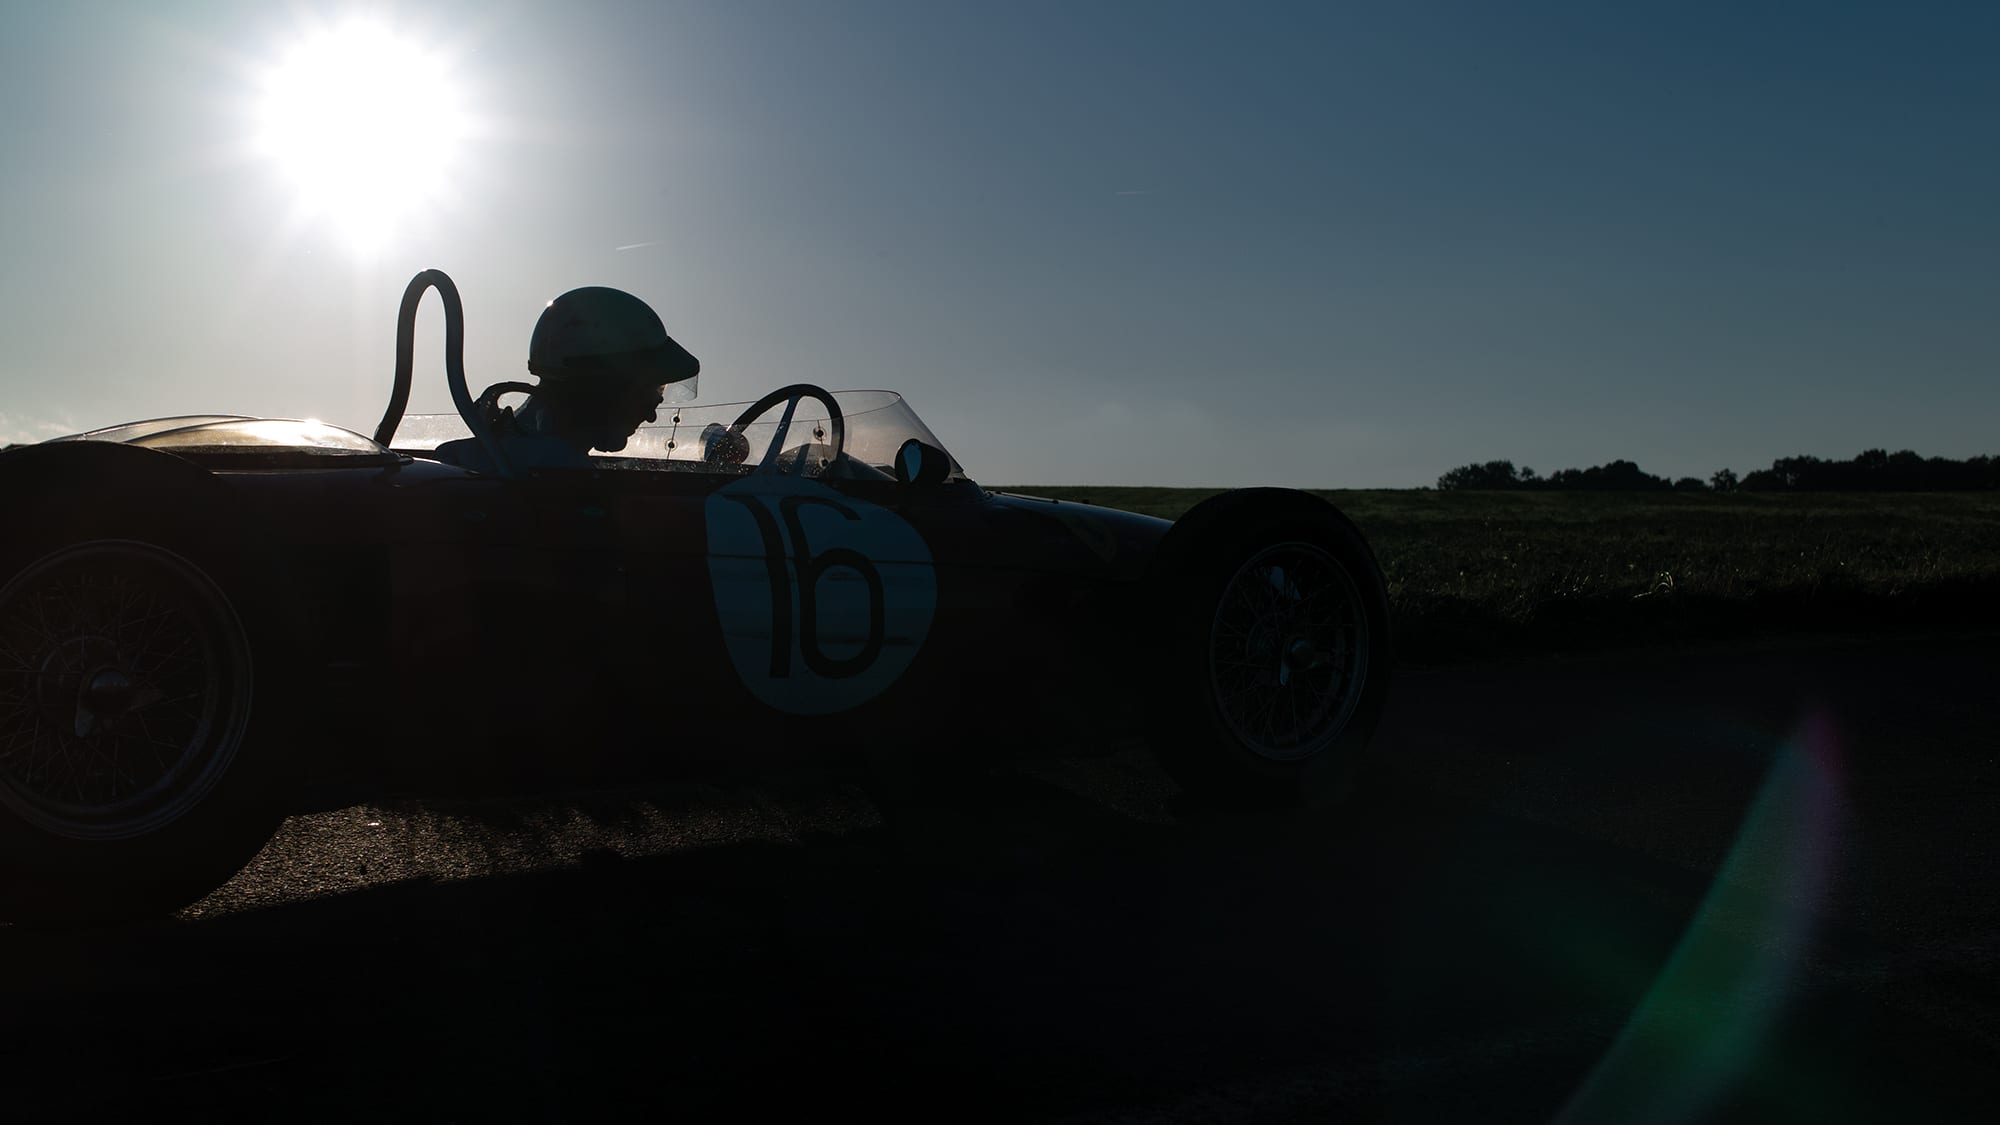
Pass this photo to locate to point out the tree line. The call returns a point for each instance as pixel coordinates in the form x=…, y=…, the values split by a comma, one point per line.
x=1872, y=470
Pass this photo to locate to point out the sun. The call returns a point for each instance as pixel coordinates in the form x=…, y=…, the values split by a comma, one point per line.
x=364, y=126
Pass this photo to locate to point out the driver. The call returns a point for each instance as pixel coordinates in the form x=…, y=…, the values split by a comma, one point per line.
x=605, y=364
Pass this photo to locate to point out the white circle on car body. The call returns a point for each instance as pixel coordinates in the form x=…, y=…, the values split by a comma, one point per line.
x=824, y=600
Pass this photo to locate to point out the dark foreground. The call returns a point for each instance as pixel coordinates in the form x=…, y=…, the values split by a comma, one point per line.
x=1714, y=885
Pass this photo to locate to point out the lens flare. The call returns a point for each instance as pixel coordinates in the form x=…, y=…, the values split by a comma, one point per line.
x=1706, y=1018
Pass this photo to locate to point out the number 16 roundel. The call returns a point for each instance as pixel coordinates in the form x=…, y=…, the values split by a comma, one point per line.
x=824, y=599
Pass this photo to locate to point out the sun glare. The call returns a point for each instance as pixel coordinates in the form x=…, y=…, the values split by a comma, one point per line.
x=365, y=126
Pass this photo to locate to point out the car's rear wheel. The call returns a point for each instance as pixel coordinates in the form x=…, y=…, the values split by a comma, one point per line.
x=1277, y=647
x=135, y=774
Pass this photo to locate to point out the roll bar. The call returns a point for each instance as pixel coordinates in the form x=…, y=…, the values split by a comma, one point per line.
x=454, y=366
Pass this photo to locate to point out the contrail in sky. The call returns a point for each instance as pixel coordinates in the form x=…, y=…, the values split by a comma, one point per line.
x=638, y=245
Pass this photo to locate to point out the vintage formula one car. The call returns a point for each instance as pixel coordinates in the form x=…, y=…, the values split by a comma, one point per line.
x=207, y=622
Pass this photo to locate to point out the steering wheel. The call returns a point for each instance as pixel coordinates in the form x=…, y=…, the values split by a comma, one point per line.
x=790, y=396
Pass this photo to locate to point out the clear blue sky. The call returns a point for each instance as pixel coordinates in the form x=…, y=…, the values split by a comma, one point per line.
x=1314, y=244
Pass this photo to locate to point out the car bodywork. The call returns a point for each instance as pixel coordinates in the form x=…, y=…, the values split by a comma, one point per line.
x=628, y=617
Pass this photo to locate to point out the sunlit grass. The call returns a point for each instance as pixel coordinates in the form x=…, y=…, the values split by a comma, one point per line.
x=1472, y=573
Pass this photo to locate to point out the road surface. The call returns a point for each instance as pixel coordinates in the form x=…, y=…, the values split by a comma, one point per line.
x=1747, y=883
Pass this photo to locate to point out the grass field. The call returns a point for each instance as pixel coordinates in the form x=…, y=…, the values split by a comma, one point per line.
x=1475, y=574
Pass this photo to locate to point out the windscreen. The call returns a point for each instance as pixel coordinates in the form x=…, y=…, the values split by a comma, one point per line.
x=133, y=431
x=875, y=425
x=224, y=434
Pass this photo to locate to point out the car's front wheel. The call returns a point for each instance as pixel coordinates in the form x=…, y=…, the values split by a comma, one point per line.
x=1276, y=648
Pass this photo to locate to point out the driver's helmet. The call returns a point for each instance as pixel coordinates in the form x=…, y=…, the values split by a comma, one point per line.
x=595, y=333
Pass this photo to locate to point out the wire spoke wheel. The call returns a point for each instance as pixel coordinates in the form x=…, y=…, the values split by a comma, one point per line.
x=124, y=690
x=1288, y=651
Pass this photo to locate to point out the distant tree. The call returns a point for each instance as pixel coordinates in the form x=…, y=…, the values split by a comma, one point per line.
x=1982, y=472
x=1785, y=473
x=1876, y=470
x=1617, y=476
x=1870, y=470
x=1627, y=475
x=1487, y=475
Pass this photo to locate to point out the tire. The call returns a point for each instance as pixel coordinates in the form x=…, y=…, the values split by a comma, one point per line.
x=139, y=672
x=1276, y=648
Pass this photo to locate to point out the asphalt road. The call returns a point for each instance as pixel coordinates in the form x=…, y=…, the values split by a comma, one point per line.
x=1735, y=884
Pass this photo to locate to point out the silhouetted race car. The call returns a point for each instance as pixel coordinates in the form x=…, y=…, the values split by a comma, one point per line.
x=208, y=622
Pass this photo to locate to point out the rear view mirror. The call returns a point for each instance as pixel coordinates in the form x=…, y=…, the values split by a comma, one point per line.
x=921, y=466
